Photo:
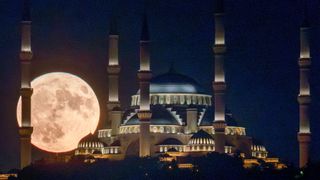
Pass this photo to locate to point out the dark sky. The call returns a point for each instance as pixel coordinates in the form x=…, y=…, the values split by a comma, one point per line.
x=261, y=66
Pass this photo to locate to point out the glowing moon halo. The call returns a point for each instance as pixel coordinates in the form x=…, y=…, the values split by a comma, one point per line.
x=64, y=109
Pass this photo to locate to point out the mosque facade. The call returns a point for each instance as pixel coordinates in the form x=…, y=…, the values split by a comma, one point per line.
x=181, y=121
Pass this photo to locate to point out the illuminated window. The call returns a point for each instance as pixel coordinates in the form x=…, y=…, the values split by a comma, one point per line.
x=199, y=99
x=173, y=130
x=194, y=99
x=161, y=99
x=175, y=99
x=167, y=99
x=182, y=99
x=161, y=129
x=188, y=100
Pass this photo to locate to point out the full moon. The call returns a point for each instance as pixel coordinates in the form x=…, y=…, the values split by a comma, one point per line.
x=64, y=109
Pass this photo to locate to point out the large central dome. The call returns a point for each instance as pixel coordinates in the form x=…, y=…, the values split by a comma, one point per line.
x=173, y=82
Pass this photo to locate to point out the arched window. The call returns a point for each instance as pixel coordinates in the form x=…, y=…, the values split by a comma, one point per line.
x=173, y=130
x=161, y=129
x=161, y=99
x=155, y=99
x=182, y=99
x=194, y=99
x=155, y=129
x=199, y=99
x=188, y=100
x=167, y=99
x=209, y=100
x=175, y=99
x=138, y=100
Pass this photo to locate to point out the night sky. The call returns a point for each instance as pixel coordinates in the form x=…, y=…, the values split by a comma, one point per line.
x=261, y=67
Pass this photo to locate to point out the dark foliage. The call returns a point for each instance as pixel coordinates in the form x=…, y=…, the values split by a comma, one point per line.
x=212, y=166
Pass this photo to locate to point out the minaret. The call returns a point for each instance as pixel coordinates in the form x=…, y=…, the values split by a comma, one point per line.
x=144, y=76
x=304, y=97
x=113, y=71
x=219, y=85
x=26, y=129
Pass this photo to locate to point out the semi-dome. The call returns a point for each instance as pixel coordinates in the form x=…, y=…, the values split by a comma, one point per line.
x=208, y=117
x=160, y=116
x=173, y=82
x=90, y=141
x=201, y=138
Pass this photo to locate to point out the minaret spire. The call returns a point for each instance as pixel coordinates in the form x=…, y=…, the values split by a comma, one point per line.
x=113, y=77
x=26, y=129
x=144, y=76
x=219, y=85
x=305, y=15
x=145, y=29
x=26, y=14
x=144, y=45
x=114, y=26
x=304, y=97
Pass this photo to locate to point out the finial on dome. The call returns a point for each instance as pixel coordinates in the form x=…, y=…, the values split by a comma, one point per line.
x=171, y=68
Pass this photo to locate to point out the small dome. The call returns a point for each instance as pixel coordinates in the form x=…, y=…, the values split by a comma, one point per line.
x=90, y=141
x=257, y=145
x=201, y=138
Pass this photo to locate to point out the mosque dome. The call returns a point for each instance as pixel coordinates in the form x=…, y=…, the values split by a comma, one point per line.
x=174, y=82
x=201, y=138
x=90, y=141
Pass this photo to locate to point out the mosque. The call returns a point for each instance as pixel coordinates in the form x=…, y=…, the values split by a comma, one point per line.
x=181, y=121
x=171, y=114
